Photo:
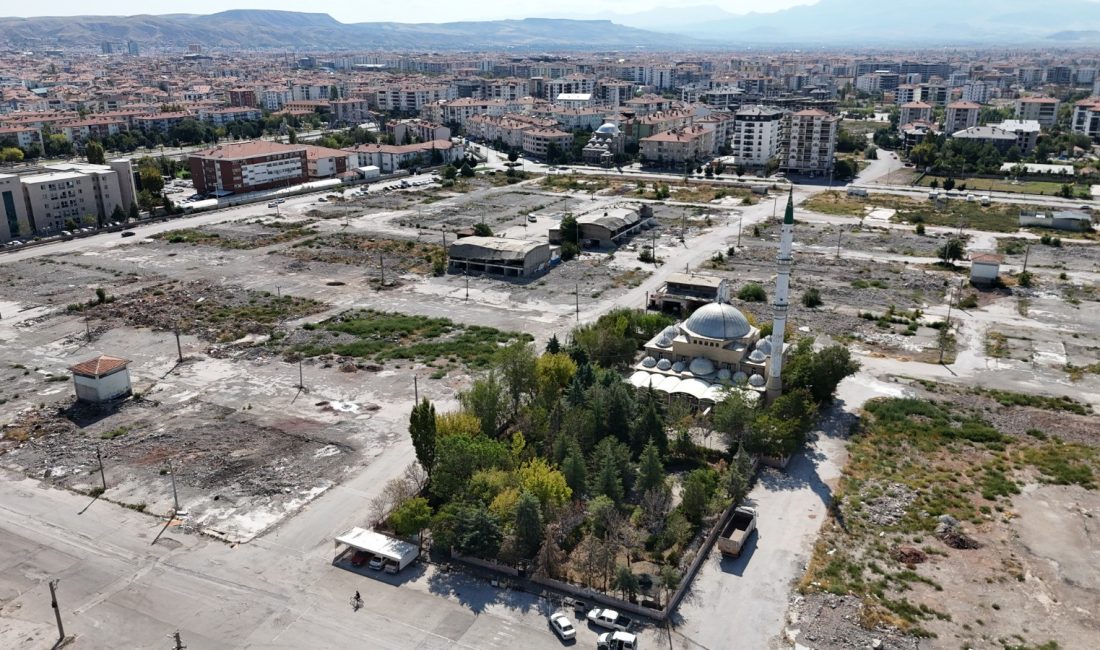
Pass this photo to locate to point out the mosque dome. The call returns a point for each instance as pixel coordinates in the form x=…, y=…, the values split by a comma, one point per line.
x=663, y=341
x=664, y=364
x=701, y=366
x=649, y=362
x=724, y=374
x=718, y=321
x=756, y=356
x=764, y=345
x=757, y=380
x=740, y=377
x=678, y=366
x=608, y=129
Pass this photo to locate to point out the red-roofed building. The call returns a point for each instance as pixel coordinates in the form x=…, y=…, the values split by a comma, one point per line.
x=248, y=167
x=101, y=379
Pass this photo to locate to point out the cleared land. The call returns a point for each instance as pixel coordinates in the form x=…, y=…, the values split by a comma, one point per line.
x=955, y=213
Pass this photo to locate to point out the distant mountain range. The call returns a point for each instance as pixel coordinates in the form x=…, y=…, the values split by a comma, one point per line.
x=262, y=29
x=878, y=23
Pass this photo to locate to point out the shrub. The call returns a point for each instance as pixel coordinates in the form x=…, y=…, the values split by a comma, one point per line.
x=752, y=292
x=811, y=298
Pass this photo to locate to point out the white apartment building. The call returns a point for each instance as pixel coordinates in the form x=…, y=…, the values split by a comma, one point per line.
x=1027, y=133
x=1043, y=110
x=914, y=112
x=978, y=92
x=1086, y=117
x=408, y=99
x=809, y=143
x=907, y=93
x=757, y=133
x=960, y=116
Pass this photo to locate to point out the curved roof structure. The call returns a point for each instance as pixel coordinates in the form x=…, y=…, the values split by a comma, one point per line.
x=701, y=366
x=609, y=129
x=718, y=321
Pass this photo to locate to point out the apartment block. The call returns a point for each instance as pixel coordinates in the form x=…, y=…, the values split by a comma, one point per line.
x=961, y=115
x=248, y=167
x=809, y=143
x=16, y=221
x=1043, y=110
x=757, y=134
x=914, y=112
x=691, y=144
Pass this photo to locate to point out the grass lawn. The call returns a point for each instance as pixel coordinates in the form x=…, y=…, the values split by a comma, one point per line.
x=995, y=218
x=980, y=185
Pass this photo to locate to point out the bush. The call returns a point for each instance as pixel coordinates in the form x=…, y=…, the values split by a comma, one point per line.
x=811, y=298
x=483, y=230
x=1024, y=279
x=569, y=250
x=919, y=229
x=752, y=292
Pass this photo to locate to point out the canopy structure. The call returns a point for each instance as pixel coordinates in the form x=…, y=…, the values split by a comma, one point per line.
x=394, y=550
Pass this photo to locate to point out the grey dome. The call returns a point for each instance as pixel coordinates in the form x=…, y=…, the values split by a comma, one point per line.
x=664, y=364
x=649, y=362
x=764, y=345
x=724, y=374
x=678, y=366
x=701, y=366
x=664, y=342
x=740, y=377
x=756, y=380
x=718, y=321
x=757, y=356
x=609, y=129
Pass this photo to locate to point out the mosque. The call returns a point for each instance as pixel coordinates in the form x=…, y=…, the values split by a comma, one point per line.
x=716, y=348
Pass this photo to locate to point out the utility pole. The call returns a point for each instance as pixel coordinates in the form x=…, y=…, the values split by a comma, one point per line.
x=382, y=267
x=1027, y=252
x=945, y=332
x=577, y=296
x=416, y=391
x=775, y=205
x=466, y=272
x=56, y=609
x=739, y=220
x=683, y=223
x=87, y=325
x=301, y=380
x=839, y=234
x=179, y=348
x=179, y=644
x=102, y=476
x=278, y=292
x=175, y=495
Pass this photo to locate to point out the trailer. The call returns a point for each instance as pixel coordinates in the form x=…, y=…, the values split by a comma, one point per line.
x=737, y=531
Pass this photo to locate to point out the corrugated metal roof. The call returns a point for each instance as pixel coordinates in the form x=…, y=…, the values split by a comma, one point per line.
x=496, y=248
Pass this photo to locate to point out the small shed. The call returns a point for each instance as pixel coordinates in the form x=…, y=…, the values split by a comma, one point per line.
x=101, y=379
x=985, y=268
x=396, y=553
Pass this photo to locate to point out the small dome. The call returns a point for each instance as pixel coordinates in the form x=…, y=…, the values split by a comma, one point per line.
x=757, y=356
x=649, y=362
x=757, y=380
x=664, y=342
x=701, y=366
x=724, y=374
x=671, y=331
x=678, y=366
x=740, y=377
x=664, y=364
x=764, y=345
x=718, y=321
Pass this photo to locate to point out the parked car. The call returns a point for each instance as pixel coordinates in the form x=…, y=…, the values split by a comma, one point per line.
x=532, y=218
x=128, y=233
x=360, y=558
x=617, y=640
x=608, y=618
x=377, y=563
x=273, y=205
x=562, y=626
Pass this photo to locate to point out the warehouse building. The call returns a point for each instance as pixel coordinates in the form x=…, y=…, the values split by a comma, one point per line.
x=515, y=258
x=609, y=227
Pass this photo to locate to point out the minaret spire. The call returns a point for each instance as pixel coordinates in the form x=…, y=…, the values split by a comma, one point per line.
x=780, y=305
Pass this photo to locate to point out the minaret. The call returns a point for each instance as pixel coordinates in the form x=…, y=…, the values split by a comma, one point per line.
x=779, y=307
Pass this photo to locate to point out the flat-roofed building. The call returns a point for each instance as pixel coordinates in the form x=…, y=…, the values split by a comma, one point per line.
x=809, y=143
x=686, y=292
x=15, y=220
x=248, y=167
x=517, y=258
x=757, y=134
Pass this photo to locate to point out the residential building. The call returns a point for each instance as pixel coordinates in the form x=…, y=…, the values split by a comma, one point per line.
x=23, y=137
x=1001, y=139
x=406, y=131
x=907, y=93
x=71, y=193
x=248, y=167
x=914, y=112
x=961, y=115
x=877, y=82
x=690, y=144
x=809, y=143
x=1086, y=117
x=978, y=92
x=243, y=97
x=757, y=134
x=538, y=141
x=350, y=111
x=15, y=221
x=390, y=158
x=322, y=162
x=1043, y=110
x=1027, y=133
x=224, y=115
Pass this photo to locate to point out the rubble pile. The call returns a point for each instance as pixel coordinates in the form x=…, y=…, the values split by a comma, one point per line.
x=888, y=508
x=950, y=532
x=824, y=621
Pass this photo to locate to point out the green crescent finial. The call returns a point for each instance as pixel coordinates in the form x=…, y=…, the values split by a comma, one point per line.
x=788, y=217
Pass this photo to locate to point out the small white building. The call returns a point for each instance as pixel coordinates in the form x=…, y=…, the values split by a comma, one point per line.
x=985, y=268
x=101, y=379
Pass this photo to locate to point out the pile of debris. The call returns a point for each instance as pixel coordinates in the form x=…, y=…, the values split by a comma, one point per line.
x=825, y=621
x=950, y=532
x=889, y=507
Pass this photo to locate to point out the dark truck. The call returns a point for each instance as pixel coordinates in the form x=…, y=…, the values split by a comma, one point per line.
x=737, y=531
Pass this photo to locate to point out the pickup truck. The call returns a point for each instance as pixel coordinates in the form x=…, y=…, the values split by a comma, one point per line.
x=608, y=618
x=737, y=531
x=617, y=640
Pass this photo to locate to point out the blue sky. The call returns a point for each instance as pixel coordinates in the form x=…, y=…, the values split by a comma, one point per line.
x=413, y=11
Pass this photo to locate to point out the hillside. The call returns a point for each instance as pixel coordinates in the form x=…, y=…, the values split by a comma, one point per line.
x=261, y=29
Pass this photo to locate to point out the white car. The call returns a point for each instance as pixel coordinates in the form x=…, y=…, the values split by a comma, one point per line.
x=608, y=618
x=618, y=640
x=377, y=563
x=562, y=626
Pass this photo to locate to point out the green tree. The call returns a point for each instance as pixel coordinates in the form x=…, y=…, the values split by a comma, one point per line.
x=457, y=458
x=449, y=172
x=133, y=213
x=553, y=372
x=13, y=155
x=649, y=429
x=482, y=230
x=1025, y=279
x=422, y=431
x=603, y=515
x=951, y=251
x=570, y=230
x=487, y=401
x=528, y=524
x=737, y=481
x=553, y=346
x=651, y=471
x=626, y=581
x=467, y=171
x=411, y=517
x=575, y=472
x=843, y=169
x=457, y=423
x=732, y=415
x=923, y=155
x=698, y=488
x=477, y=532
x=151, y=179
x=818, y=372
x=291, y=136
x=513, y=155
x=93, y=151
x=118, y=215
x=752, y=292
x=547, y=484
x=516, y=363
x=607, y=480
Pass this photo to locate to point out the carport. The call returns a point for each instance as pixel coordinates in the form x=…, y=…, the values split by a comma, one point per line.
x=398, y=554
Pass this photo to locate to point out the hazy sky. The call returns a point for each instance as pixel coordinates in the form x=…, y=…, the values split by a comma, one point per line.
x=412, y=11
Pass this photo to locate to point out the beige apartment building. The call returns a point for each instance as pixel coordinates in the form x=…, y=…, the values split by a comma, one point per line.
x=960, y=116
x=16, y=221
x=65, y=194
x=810, y=143
x=1043, y=110
x=694, y=143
